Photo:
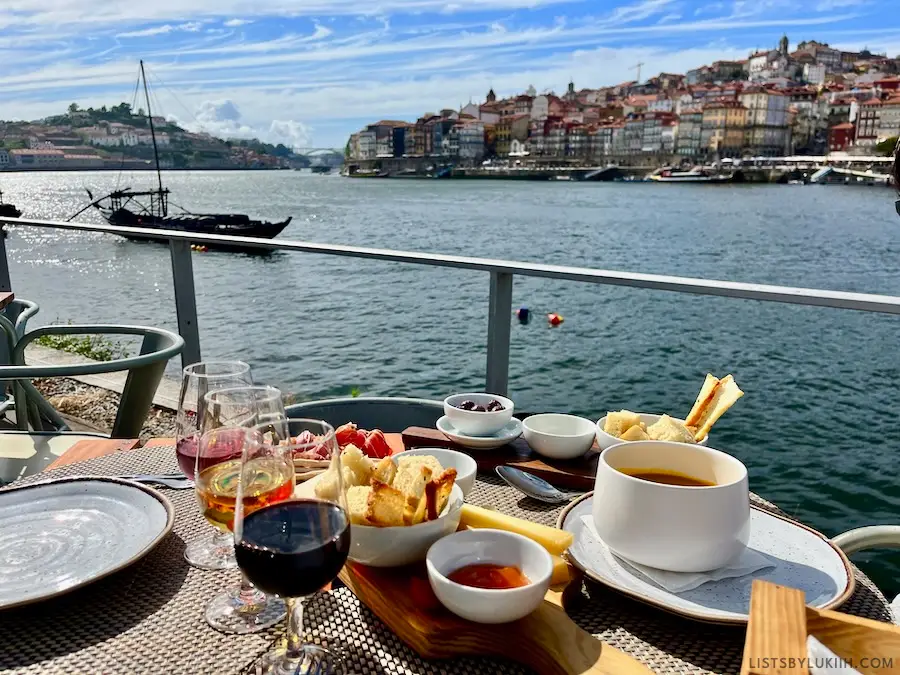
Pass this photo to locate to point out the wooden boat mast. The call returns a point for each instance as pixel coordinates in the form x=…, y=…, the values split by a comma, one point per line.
x=162, y=194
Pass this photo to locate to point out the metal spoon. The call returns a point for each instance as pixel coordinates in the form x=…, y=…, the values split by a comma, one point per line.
x=531, y=485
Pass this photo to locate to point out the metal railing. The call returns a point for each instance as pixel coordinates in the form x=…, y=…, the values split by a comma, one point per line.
x=501, y=283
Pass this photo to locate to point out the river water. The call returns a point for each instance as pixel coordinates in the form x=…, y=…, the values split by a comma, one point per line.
x=817, y=427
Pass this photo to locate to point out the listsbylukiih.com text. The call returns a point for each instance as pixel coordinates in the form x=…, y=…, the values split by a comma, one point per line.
x=790, y=662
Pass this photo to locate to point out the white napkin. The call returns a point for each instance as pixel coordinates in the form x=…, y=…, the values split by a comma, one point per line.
x=823, y=661
x=678, y=582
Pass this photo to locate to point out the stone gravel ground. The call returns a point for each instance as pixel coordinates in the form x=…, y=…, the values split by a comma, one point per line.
x=96, y=407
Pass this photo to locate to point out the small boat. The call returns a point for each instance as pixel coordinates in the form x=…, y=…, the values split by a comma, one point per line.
x=150, y=209
x=8, y=210
x=692, y=176
x=320, y=168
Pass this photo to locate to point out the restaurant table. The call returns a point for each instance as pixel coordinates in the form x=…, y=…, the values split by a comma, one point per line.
x=6, y=297
x=148, y=618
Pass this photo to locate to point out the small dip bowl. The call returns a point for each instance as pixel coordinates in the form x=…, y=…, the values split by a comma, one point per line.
x=478, y=423
x=485, y=546
x=559, y=436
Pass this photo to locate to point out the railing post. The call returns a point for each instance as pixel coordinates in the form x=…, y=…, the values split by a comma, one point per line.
x=5, y=283
x=499, y=318
x=185, y=300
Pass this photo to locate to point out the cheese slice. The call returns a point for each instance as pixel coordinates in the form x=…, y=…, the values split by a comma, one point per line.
x=554, y=540
x=726, y=394
x=703, y=399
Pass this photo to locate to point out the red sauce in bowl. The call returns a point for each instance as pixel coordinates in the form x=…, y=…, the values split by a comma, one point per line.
x=494, y=577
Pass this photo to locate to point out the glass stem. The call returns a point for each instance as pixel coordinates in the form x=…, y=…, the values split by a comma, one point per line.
x=223, y=540
x=250, y=595
x=294, y=627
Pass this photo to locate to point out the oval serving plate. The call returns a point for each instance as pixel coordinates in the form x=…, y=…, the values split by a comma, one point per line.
x=63, y=534
x=802, y=558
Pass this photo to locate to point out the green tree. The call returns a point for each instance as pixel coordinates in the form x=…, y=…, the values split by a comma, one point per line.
x=73, y=108
x=886, y=147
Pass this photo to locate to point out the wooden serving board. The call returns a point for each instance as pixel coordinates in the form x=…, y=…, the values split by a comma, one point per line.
x=577, y=474
x=547, y=640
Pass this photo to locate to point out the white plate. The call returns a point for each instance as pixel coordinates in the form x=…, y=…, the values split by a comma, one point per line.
x=803, y=559
x=507, y=434
x=63, y=534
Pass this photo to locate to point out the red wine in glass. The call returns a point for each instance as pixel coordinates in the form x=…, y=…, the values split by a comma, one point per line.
x=227, y=446
x=293, y=548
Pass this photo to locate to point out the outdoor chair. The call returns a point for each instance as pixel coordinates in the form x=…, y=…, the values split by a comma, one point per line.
x=13, y=320
x=391, y=415
x=873, y=536
x=145, y=371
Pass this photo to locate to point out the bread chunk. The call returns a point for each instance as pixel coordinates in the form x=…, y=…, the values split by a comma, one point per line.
x=668, y=429
x=384, y=471
x=386, y=505
x=437, y=493
x=635, y=433
x=617, y=423
x=358, y=504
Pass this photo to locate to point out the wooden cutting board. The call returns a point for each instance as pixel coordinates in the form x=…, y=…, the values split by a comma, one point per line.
x=546, y=641
x=577, y=474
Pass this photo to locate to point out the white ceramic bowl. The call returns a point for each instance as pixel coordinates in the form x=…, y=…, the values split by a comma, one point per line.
x=465, y=466
x=559, y=436
x=396, y=546
x=605, y=440
x=672, y=527
x=484, y=546
x=478, y=423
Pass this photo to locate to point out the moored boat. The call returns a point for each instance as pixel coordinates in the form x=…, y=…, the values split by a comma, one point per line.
x=695, y=175
x=125, y=208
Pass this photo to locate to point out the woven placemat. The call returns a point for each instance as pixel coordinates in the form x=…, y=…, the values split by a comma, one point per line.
x=149, y=617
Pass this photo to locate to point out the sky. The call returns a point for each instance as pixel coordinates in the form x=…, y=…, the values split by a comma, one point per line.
x=308, y=73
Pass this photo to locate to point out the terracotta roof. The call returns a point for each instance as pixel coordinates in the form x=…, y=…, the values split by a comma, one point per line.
x=844, y=125
x=872, y=101
x=391, y=123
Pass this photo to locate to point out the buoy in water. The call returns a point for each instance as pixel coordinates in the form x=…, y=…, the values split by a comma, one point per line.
x=523, y=314
x=554, y=319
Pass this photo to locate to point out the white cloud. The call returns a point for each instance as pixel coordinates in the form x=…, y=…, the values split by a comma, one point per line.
x=145, y=32
x=292, y=134
x=188, y=27
x=234, y=23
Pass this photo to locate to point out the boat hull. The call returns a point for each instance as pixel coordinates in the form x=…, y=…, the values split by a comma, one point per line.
x=219, y=224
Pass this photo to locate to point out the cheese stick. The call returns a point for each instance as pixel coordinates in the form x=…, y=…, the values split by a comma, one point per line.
x=554, y=540
x=560, y=574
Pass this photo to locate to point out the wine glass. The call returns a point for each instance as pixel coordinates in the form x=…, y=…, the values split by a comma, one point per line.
x=241, y=609
x=198, y=379
x=241, y=407
x=292, y=548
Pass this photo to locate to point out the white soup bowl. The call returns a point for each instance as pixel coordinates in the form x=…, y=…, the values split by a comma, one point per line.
x=672, y=527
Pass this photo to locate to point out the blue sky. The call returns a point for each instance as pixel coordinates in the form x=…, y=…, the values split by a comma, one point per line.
x=309, y=72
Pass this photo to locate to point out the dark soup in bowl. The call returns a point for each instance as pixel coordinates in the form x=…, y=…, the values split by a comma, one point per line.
x=667, y=477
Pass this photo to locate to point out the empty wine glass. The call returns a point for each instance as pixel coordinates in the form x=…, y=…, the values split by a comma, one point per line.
x=242, y=407
x=241, y=609
x=198, y=379
x=292, y=548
